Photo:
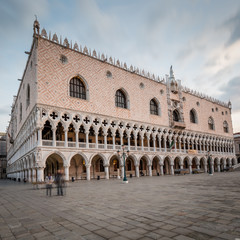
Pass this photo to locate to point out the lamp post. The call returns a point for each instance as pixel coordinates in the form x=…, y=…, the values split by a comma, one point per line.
x=123, y=155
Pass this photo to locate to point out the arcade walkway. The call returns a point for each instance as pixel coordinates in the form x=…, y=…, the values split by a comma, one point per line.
x=170, y=207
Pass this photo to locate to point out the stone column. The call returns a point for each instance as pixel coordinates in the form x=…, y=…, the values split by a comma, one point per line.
x=128, y=142
x=148, y=142
x=121, y=138
x=54, y=136
x=172, y=170
x=161, y=170
x=96, y=139
x=184, y=145
x=150, y=170
x=40, y=174
x=190, y=168
x=137, y=170
x=181, y=166
x=159, y=142
x=142, y=142
x=66, y=138
x=39, y=137
x=106, y=169
x=154, y=143
x=34, y=175
x=29, y=175
x=66, y=172
x=175, y=144
x=135, y=141
x=113, y=137
x=105, y=140
x=76, y=136
x=87, y=141
x=88, y=172
x=179, y=144
x=165, y=144
x=218, y=167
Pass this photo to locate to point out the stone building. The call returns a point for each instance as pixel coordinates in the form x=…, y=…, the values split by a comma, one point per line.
x=237, y=145
x=76, y=107
x=3, y=155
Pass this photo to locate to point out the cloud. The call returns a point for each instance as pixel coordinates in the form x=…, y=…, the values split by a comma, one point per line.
x=231, y=91
x=233, y=23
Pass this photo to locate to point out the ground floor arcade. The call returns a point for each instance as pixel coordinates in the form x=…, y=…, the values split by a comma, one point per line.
x=94, y=165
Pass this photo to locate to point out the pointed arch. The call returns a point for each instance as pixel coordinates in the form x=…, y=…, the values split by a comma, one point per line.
x=78, y=88
x=155, y=107
x=176, y=116
x=122, y=99
x=193, y=116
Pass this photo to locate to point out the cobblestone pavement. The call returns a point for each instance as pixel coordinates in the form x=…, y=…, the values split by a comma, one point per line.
x=169, y=207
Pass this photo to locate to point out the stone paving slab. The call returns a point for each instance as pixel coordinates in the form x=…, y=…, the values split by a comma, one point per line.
x=182, y=208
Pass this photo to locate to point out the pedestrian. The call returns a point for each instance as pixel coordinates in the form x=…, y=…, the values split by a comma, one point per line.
x=210, y=164
x=60, y=182
x=49, y=181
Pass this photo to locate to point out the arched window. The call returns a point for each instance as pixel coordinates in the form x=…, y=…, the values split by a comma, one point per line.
x=193, y=116
x=77, y=88
x=153, y=107
x=28, y=96
x=47, y=133
x=120, y=99
x=225, y=126
x=176, y=117
x=211, y=123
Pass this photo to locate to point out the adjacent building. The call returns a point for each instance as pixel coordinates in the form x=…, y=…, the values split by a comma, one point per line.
x=75, y=108
x=237, y=145
x=3, y=155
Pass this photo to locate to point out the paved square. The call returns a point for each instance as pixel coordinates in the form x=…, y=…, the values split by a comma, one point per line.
x=169, y=207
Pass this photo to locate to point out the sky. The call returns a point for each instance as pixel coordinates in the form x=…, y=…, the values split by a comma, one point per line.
x=199, y=38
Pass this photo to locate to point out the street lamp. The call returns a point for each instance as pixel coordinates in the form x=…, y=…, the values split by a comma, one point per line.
x=123, y=155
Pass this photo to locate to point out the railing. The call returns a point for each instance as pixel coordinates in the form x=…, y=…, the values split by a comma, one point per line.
x=49, y=143
x=82, y=145
x=92, y=145
x=60, y=143
x=101, y=146
x=71, y=144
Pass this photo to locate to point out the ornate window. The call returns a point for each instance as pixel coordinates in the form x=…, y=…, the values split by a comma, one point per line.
x=211, y=123
x=120, y=99
x=225, y=126
x=176, y=117
x=153, y=107
x=193, y=116
x=28, y=96
x=77, y=88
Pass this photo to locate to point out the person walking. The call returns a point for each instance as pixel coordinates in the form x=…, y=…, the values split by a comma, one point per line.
x=210, y=163
x=49, y=181
x=60, y=182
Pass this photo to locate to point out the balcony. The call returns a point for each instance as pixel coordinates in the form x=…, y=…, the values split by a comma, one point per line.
x=83, y=145
x=179, y=125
